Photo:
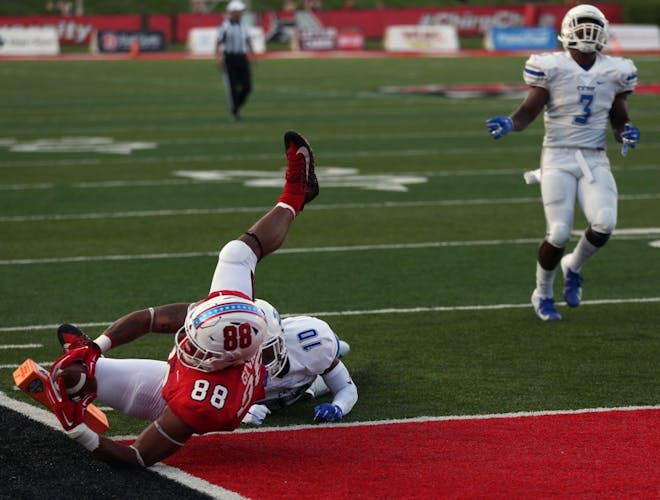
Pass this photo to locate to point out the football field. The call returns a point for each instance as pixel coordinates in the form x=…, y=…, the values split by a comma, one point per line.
x=120, y=180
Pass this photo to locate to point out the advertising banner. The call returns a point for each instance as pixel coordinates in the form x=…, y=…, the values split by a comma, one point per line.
x=421, y=39
x=73, y=29
x=633, y=37
x=317, y=39
x=468, y=20
x=29, y=42
x=526, y=39
x=110, y=41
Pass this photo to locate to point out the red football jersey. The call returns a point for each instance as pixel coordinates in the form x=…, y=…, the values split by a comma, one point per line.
x=214, y=401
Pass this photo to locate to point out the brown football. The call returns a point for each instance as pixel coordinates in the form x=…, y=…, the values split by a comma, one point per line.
x=76, y=381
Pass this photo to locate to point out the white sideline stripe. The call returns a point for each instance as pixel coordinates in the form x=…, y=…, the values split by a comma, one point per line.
x=33, y=412
x=195, y=483
x=619, y=234
x=491, y=307
x=20, y=346
x=338, y=206
x=48, y=419
x=449, y=418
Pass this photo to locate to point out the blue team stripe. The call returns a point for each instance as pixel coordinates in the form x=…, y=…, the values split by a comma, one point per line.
x=632, y=77
x=534, y=73
x=227, y=308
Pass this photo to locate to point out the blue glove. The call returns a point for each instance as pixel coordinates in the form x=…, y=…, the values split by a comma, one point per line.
x=327, y=412
x=629, y=137
x=499, y=126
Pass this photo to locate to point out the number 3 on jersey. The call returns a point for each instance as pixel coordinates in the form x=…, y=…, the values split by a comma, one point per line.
x=586, y=100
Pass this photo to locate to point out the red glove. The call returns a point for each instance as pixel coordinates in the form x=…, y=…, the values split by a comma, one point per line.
x=70, y=413
x=88, y=354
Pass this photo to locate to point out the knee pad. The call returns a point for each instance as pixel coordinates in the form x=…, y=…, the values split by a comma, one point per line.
x=605, y=221
x=596, y=238
x=558, y=234
x=236, y=252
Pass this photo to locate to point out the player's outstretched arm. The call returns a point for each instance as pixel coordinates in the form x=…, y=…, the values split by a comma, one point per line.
x=159, y=440
x=344, y=392
x=161, y=319
x=499, y=126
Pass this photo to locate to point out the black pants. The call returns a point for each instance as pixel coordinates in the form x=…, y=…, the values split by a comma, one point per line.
x=238, y=80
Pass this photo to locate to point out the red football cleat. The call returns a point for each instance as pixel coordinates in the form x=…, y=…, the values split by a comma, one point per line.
x=71, y=337
x=301, y=184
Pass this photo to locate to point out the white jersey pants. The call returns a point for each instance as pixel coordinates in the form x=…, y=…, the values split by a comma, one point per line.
x=583, y=175
x=132, y=386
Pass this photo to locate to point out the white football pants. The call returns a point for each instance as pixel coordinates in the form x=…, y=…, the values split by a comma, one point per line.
x=132, y=386
x=564, y=181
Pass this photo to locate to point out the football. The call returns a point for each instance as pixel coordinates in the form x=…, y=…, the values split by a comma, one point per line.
x=76, y=381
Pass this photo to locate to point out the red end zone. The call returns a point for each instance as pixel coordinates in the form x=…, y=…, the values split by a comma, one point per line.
x=601, y=454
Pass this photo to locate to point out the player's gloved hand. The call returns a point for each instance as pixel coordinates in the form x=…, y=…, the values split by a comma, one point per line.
x=87, y=353
x=629, y=137
x=499, y=126
x=69, y=413
x=327, y=412
x=256, y=414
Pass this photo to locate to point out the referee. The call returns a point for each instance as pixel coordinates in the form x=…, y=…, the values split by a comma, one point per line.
x=231, y=52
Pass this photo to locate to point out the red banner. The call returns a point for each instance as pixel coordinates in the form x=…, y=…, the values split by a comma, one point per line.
x=370, y=23
x=162, y=22
x=185, y=22
x=467, y=20
x=74, y=29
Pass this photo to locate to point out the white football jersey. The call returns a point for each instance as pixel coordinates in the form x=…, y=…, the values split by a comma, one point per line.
x=577, y=112
x=312, y=347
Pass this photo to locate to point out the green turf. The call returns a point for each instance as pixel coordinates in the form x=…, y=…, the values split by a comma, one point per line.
x=61, y=205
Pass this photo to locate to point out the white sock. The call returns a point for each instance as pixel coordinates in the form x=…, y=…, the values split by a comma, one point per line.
x=544, y=281
x=584, y=250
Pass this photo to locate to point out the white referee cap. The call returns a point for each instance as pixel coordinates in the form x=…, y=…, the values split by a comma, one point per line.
x=235, y=5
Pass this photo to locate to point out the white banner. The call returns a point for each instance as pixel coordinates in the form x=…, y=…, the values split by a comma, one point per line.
x=202, y=41
x=633, y=37
x=414, y=38
x=36, y=41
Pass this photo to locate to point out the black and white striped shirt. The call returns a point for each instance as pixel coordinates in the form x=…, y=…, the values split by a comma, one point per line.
x=234, y=37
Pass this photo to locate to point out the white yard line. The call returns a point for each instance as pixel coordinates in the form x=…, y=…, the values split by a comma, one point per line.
x=338, y=206
x=628, y=234
x=410, y=310
x=20, y=346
